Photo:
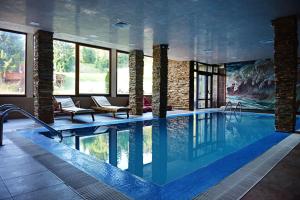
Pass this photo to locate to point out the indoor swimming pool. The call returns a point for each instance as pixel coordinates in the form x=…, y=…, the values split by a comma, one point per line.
x=180, y=156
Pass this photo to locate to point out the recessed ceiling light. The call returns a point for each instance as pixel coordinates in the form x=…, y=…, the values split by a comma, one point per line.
x=208, y=51
x=34, y=24
x=93, y=36
x=266, y=41
x=121, y=25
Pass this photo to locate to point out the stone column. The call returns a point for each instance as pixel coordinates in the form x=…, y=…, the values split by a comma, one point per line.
x=43, y=76
x=160, y=80
x=136, y=73
x=285, y=64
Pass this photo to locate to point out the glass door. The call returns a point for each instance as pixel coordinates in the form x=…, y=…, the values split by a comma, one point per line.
x=204, y=91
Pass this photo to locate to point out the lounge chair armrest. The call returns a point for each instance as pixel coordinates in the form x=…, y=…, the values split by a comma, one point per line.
x=77, y=103
x=59, y=106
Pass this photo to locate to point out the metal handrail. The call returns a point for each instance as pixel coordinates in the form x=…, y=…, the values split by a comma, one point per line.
x=227, y=105
x=8, y=108
x=236, y=107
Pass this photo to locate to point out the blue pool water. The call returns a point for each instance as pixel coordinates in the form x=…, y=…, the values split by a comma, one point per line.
x=178, y=157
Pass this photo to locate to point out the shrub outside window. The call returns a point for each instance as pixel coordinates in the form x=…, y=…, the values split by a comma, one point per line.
x=64, y=68
x=12, y=63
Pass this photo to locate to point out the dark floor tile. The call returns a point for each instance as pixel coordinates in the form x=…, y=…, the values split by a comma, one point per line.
x=31, y=183
x=21, y=170
x=4, y=194
x=282, y=182
x=50, y=161
x=34, y=150
x=61, y=192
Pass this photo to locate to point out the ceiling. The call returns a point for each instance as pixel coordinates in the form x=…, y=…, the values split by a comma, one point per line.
x=210, y=31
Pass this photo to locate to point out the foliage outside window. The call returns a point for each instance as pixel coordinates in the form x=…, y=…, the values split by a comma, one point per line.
x=64, y=68
x=93, y=70
x=122, y=73
x=12, y=63
x=148, y=65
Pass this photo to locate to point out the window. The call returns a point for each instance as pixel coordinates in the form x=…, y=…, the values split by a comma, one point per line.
x=94, y=74
x=148, y=65
x=122, y=73
x=12, y=63
x=64, y=68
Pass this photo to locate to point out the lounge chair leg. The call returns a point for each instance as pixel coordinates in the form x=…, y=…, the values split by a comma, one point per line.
x=72, y=117
x=114, y=115
x=93, y=117
x=127, y=115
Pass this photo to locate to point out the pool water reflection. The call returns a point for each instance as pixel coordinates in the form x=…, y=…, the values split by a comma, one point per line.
x=163, y=150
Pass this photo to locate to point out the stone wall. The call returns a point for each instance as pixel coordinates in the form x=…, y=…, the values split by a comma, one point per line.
x=285, y=61
x=136, y=73
x=179, y=84
x=43, y=76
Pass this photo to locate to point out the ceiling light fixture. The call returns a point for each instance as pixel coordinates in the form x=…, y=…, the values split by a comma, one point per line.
x=266, y=41
x=93, y=36
x=208, y=51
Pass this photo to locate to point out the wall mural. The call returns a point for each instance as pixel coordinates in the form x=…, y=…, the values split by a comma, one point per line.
x=252, y=83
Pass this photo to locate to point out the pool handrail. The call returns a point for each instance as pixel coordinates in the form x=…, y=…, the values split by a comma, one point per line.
x=228, y=104
x=5, y=109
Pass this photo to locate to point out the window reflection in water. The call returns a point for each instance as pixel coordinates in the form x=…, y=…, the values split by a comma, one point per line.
x=163, y=150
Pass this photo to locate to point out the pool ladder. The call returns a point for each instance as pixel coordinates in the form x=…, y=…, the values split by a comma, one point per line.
x=229, y=106
x=5, y=109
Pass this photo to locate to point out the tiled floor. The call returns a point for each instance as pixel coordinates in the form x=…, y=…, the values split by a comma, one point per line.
x=22, y=177
x=35, y=174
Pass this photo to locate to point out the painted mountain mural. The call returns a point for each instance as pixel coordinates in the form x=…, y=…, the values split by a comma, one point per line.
x=251, y=83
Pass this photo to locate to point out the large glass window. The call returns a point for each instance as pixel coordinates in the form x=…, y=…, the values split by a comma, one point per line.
x=12, y=63
x=148, y=65
x=94, y=75
x=64, y=68
x=122, y=73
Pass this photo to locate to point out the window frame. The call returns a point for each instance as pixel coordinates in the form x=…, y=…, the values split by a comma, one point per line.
x=25, y=66
x=77, y=66
x=125, y=52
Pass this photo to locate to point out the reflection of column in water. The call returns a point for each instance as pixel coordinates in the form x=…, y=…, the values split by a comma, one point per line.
x=221, y=128
x=113, y=147
x=77, y=143
x=190, y=137
x=159, y=151
x=135, y=164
